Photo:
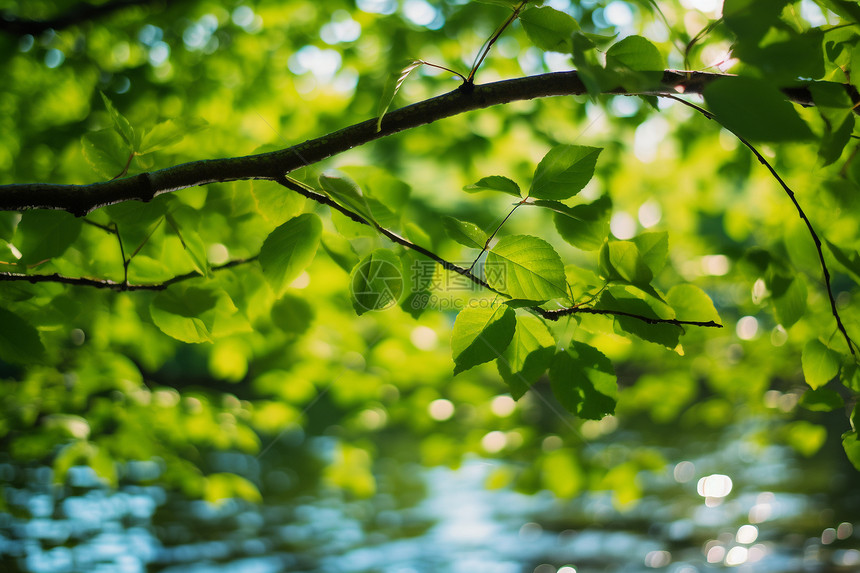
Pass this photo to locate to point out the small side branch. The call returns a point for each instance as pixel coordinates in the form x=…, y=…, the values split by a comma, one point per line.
x=788, y=191
x=557, y=314
x=326, y=200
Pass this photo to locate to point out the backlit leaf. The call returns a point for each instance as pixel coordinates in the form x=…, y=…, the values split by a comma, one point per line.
x=820, y=364
x=583, y=380
x=549, y=29
x=106, y=152
x=481, y=334
x=755, y=109
x=583, y=226
x=19, y=340
x=289, y=249
x=528, y=356
x=494, y=183
x=564, y=172
x=526, y=267
x=466, y=233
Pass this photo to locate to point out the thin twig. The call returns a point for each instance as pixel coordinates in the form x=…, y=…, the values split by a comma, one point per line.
x=486, y=50
x=788, y=191
x=557, y=314
x=114, y=285
x=490, y=238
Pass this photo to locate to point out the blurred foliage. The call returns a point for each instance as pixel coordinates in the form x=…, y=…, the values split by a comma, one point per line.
x=673, y=220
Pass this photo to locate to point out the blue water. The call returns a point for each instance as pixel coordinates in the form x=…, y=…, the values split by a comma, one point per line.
x=779, y=516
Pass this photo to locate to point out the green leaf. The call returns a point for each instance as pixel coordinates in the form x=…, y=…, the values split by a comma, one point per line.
x=788, y=295
x=183, y=223
x=621, y=261
x=465, y=233
x=549, y=29
x=564, y=172
x=821, y=400
x=167, y=133
x=820, y=364
x=805, y=437
x=637, y=63
x=292, y=314
x=273, y=202
x=19, y=340
x=43, y=235
x=106, y=152
x=8, y=224
x=528, y=356
x=527, y=268
x=583, y=226
x=692, y=303
x=185, y=313
x=346, y=192
x=481, y=334
x=653, y=249
x=289, y=249
x=495, y=183
x=850, y=260
x=120, y=123
x=584, y=382
x=851, y=444
x=376, y=282
x=395, y=82
x=755, y=109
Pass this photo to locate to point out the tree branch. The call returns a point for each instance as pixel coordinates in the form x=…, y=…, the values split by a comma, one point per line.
x=83, y=12
x=82, y=199
x=548, y=314
x=114, y=285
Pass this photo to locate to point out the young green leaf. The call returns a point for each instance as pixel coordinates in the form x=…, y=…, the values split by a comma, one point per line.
x=621, y=261
x=849, y=259
x=376, y=282
x=495, y=183
x=185, y=313
x=564, y=172
x=393, y=86
x=653, y=248
x=788, y=296
x=637, y=62
x=19, y=340
x=820, y=363
x=106, y=152
x=346, y=192
x=549, y=29
x=691, y=303
x=822, y=400
x=167, y=133
x=42, y=235
x=584, y=226
x=289, y=249
x=583, y=381
x=528, y=356
x=526, y=267
x=755, y=109
x=481, y=334
x=120, y=123
x=465, y=233
x=851, y=445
